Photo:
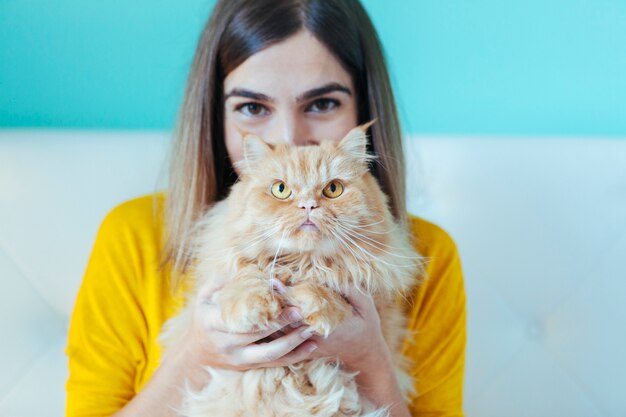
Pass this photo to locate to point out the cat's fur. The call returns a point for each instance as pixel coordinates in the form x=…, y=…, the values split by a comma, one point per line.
x=253, y=236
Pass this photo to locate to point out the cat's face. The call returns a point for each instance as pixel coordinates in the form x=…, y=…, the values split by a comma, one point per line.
x=305, y=198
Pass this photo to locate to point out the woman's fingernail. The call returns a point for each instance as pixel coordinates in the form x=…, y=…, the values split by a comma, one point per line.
x=295, y=316
x=277, y=285
x=306, y=333
x=312, y=347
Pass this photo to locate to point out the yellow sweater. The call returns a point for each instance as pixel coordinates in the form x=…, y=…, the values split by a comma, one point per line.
x=124, y=300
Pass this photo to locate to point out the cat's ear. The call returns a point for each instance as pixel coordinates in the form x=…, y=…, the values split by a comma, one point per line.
x=254, y=149
x=355, y=142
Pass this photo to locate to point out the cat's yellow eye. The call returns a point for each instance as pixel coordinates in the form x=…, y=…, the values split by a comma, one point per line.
x=280, y=190
x=333, y=190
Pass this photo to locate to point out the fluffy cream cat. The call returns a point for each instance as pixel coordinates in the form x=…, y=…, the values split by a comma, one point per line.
x=316, y=219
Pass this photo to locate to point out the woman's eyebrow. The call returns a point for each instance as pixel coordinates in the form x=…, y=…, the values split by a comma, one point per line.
x=325, y=89
x=240, y=92
x=307, y=95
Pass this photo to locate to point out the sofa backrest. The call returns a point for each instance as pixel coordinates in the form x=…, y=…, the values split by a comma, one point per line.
x=540, y=224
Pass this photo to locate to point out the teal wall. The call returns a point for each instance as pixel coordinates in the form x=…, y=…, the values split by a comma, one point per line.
x=533, y=67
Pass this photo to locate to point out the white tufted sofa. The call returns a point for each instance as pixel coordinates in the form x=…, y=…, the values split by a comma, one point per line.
x=540, y=224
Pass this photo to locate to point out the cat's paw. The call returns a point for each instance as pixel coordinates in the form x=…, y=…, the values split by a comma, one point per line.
x=323, y=309
x=246, y=308
x=324, y=321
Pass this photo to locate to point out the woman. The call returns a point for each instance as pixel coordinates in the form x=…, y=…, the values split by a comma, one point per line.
x=296, y=71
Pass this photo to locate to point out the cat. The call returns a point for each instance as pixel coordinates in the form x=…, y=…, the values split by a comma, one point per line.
x=315, y=218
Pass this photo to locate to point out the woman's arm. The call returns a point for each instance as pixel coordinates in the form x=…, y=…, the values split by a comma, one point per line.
x=376, y=379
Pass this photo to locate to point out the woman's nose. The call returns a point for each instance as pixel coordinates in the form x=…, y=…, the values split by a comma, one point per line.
x=291, y=129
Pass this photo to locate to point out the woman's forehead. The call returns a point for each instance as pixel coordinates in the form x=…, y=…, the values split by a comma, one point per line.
x=288, y=69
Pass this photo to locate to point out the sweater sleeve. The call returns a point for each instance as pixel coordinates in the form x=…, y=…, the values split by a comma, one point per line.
x=107, y=328
x=438, y=324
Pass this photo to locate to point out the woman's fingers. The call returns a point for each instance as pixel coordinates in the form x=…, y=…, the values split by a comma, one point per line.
x=265, y=353
x=284, y=342
x=299, y=354
x=228, y=340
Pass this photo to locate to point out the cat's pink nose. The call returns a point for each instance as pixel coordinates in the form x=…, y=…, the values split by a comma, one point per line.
x=308, y=205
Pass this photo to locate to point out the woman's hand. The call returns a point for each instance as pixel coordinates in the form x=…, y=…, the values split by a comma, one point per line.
x=209, y=343
x=358, y=341
x=359, y=344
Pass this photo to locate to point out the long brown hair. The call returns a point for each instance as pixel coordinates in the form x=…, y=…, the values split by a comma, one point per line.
x=201, y=172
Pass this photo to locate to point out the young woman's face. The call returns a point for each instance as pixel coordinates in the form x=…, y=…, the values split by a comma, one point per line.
x=294, y=92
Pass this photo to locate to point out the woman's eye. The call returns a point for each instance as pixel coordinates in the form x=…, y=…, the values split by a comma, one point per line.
x=252, y=109
x=323, y=105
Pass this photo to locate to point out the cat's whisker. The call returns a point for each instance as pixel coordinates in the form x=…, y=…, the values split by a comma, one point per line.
x=367, y=253
x=374, y=243
x=368, y=240
x=347, y=239
x=372, y=232
x=348, y=222
x=351, y=227
x=341, y=240
x=376, y=258
x=280, y=243
x=358, y=222
x=255, y=242
x=362, y=227
x=262, y=237
x=353, y=230
x=356, y=255
x=273, y=228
